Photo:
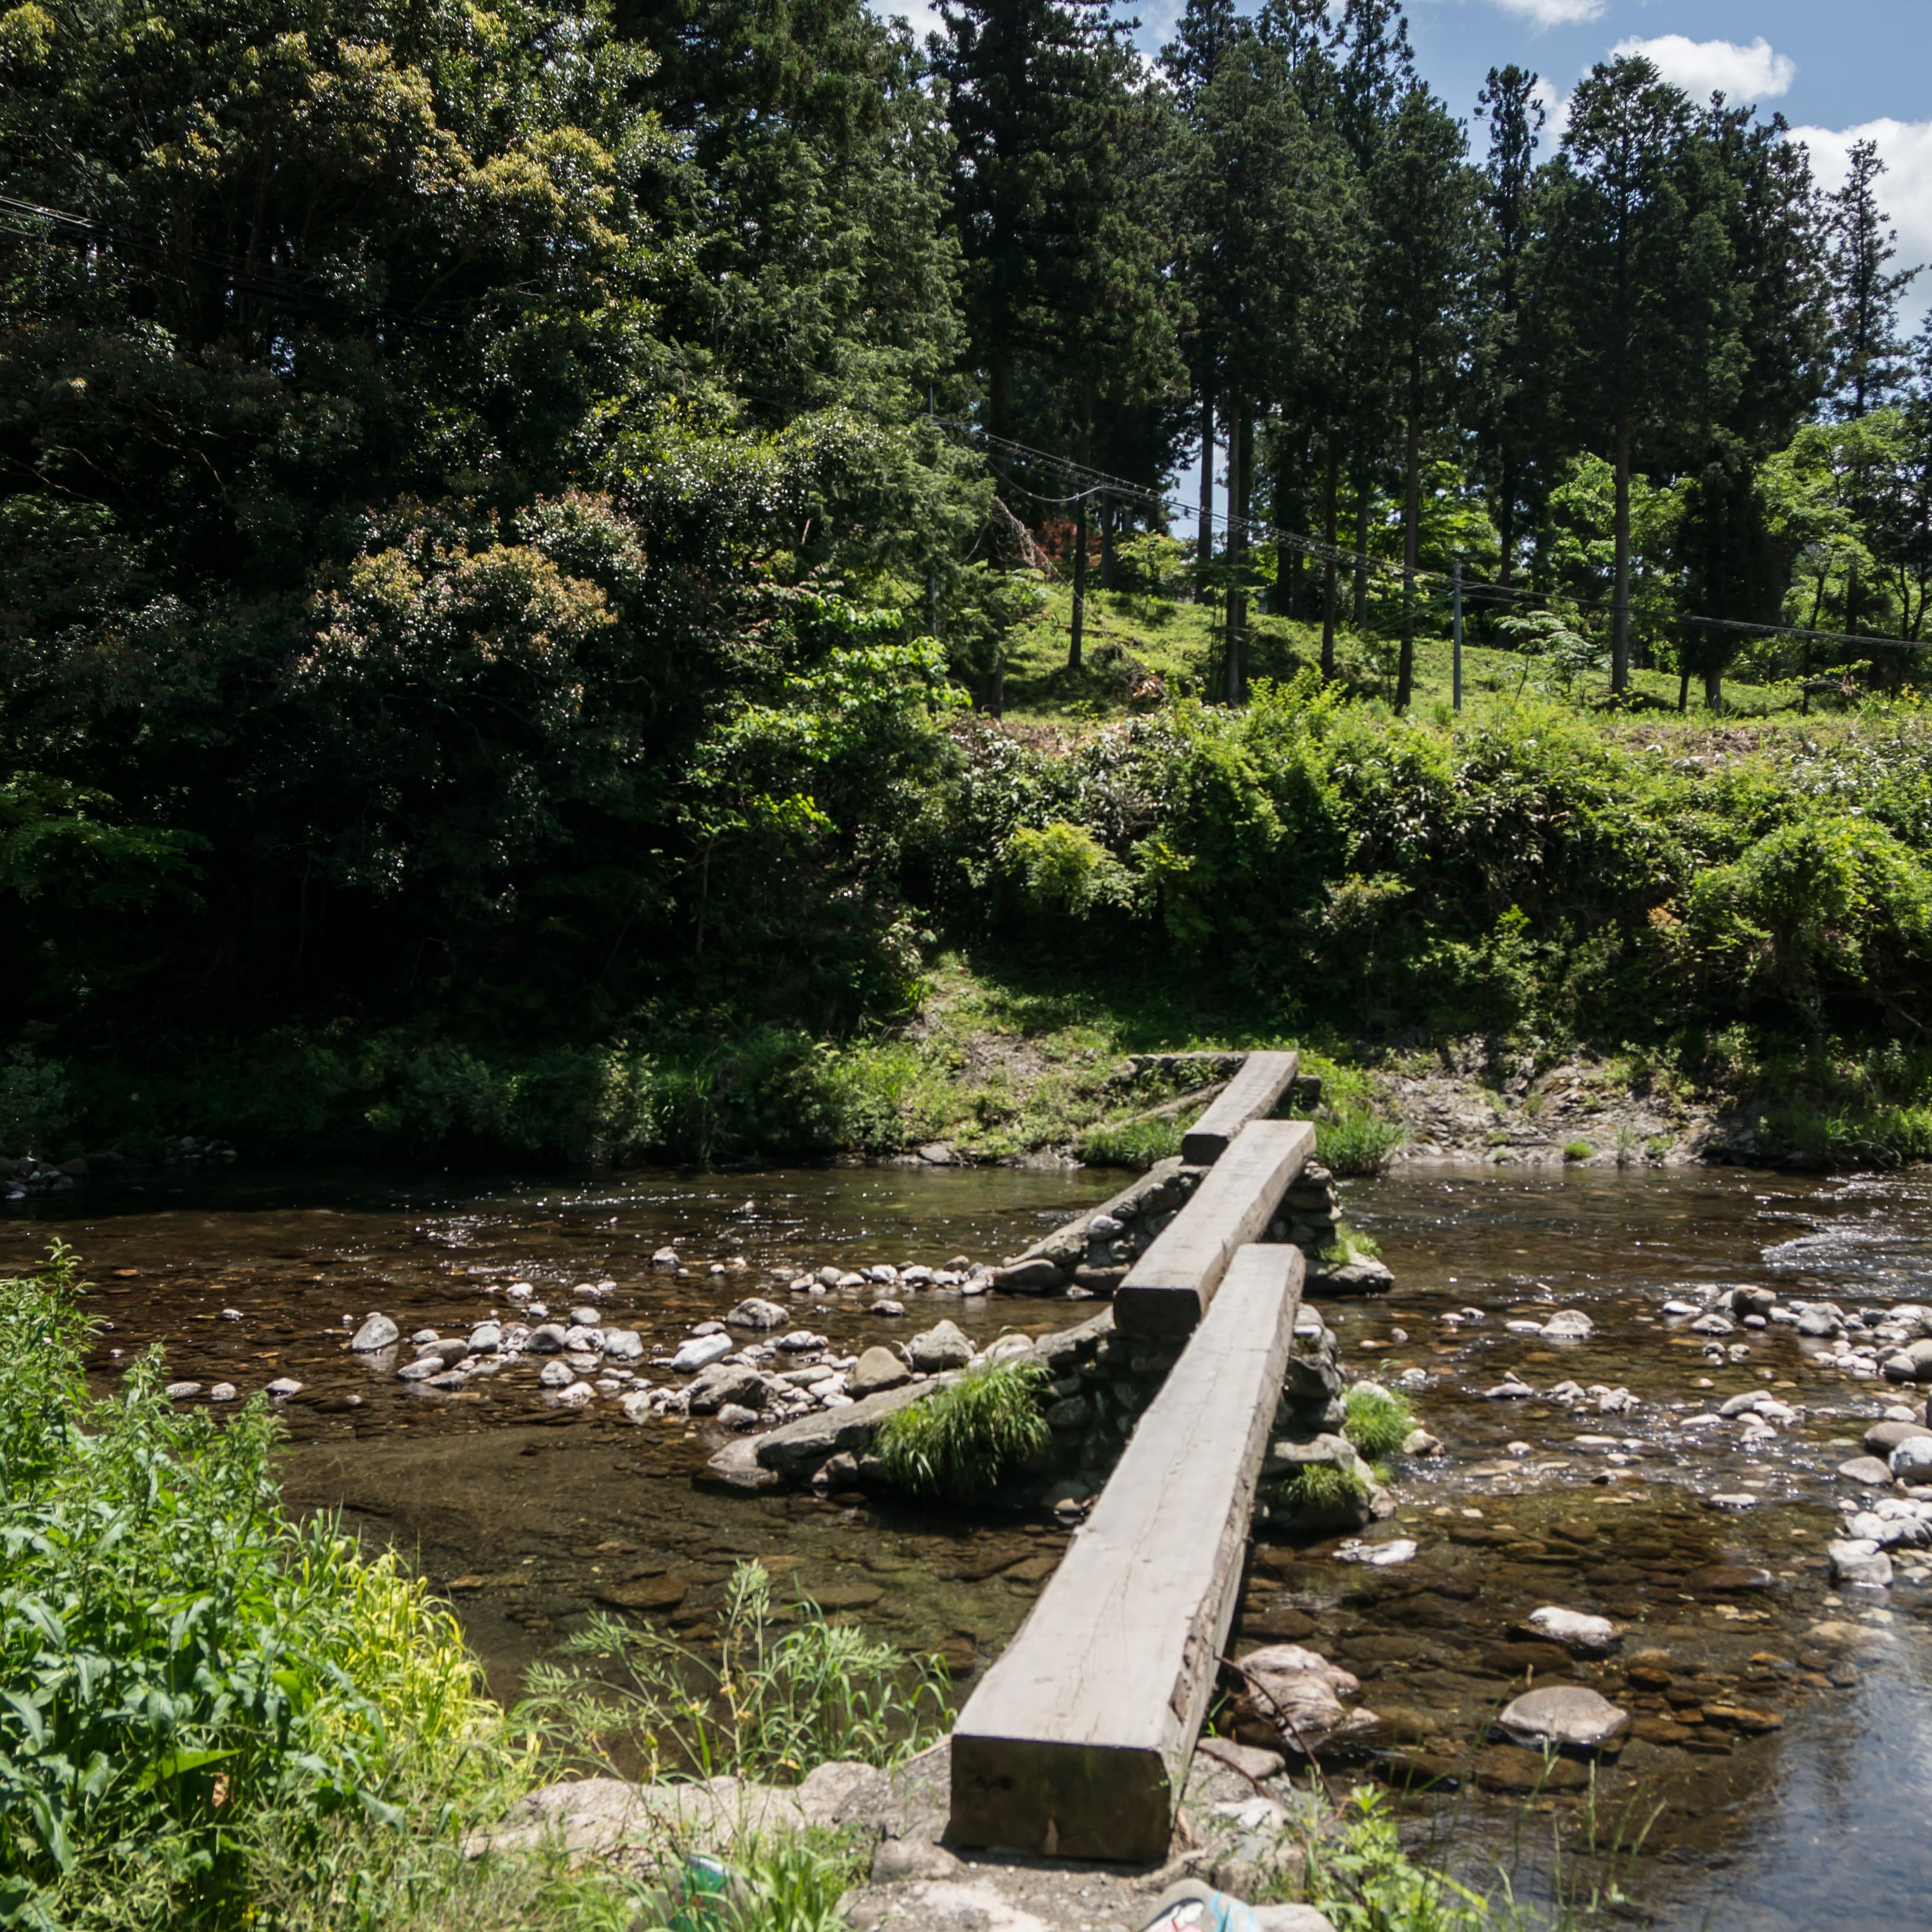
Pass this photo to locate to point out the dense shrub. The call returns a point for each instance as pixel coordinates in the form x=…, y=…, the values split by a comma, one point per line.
x=180, y=1666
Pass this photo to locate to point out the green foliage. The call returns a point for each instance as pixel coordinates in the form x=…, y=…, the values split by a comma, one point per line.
x=182, y=1671
x=770, y=1704
x=1064, y=869
x=1363, y=1880
x=1377, y=1420
x=962, y=1442
x=1137, y=1144
x=1325, y=1488
x=1574, y=1150
x=1358, y=1142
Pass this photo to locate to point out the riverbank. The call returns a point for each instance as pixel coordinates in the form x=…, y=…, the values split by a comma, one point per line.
x=1004, y=1063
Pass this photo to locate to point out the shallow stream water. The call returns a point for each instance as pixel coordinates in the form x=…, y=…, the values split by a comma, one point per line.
x=1778, y=1781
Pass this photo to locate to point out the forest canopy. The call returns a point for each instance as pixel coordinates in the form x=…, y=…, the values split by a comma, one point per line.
x=505, y=512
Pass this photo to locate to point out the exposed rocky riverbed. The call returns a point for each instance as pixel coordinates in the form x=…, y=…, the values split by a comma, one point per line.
x=1680, y=1463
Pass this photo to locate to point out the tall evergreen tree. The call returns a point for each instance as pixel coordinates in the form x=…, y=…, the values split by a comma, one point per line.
x=1629, y=294
x=1869, y=358
x=1734, y=566
x=1424, y=200
x=1516, y=117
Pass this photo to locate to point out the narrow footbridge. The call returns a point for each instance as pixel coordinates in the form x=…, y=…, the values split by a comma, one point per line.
x=1077, y=1740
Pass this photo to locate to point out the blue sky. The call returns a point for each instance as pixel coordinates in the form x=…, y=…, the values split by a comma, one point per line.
x=1838, y=72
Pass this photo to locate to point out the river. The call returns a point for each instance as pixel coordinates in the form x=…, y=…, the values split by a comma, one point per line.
x=1777, y=1782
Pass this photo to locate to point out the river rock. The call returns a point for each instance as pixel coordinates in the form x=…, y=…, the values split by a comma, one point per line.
x=377, y=1331
x=448, y=1351
x=1298, y=1694
x=723, y=1382
x=1859, y=1563
x=1570, y=1715
x=551, y=1339
x=801, y=1342
x=623, y=1344
x=222, y=1392
x=877, y=1370
x=700, y=1351
x=1031, y=1277
x=887, y=1307
x=1569, y=1325
x=486, y=1338
x=941, y=1348
x=1818, y=1321
x=421, y=1369
x=736, y=1415
x=1714, y=1324
x=665, y=1258
x=283, y=1387
x=556, y=1373
x=1883, y=1438
x=754, y=1312
x=579, y=1395
x=1012, y=1348
x=1577, y=1631
x=1911, y=1462
x=1868, y=1470
x=181, y=1391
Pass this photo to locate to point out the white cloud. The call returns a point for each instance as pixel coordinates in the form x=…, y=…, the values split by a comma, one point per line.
x=923, y=19
x=1555, y=105
x=1904, y=190
x=1700, y=68
x=1554, y=13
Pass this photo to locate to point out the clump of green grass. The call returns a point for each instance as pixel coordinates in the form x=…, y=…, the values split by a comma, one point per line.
x=1358, y=1142
x=1576, y=1151
x=1325, y=1486
x=1378, y=1420
x=1138, y=1143
x=962, y=1442
x=770, y=1705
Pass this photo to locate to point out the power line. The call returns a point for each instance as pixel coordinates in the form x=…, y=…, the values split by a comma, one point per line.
x=1324, y=552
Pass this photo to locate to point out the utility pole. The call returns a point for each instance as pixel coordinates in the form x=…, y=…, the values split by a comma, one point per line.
x=1455, y=642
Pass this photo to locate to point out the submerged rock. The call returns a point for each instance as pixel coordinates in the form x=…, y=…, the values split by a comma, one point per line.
x=1576, y=1630
x=1564, y=1715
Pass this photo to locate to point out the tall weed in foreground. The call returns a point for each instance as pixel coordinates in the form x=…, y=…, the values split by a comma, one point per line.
x=774, y=1703
x=1355, y=1868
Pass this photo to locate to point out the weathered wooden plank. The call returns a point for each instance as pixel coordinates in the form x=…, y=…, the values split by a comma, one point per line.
x=1167, y=1290
x=1077, y=1740
x=1251, y=1095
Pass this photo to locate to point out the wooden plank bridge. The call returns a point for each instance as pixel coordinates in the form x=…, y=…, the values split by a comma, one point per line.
x=1077, y=1740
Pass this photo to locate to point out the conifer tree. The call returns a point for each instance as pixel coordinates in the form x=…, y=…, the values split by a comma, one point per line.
x=1633, y=304
x=1869, y=358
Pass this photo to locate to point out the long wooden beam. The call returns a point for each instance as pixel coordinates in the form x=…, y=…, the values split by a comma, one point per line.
x=1077, y=1740
x=1167, y=1290
x=1253, y=1094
